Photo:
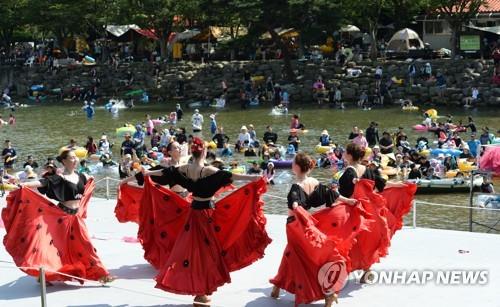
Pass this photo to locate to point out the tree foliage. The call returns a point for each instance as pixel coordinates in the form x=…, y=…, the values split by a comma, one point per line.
x=314, y=18
x=12, y=17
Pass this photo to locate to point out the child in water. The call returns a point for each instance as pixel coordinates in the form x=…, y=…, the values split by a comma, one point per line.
x=83, y=169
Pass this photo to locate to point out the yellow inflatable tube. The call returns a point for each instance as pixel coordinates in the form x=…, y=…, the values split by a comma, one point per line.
x=465, y=166
x=238, y=170
x=130, y=129
x=451, y=174
x=8, y=186
x=425, y=152
x=80, y=152
x=410, y=108
x=323, y=149
x=211, y=145
x=433, y=113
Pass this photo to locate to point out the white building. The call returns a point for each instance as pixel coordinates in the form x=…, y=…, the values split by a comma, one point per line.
x=436, y=30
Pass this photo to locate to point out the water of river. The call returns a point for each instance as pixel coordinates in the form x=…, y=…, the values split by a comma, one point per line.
x=41, y=130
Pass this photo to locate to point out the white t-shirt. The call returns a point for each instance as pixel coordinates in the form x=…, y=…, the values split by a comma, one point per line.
x=165, y=139
x=242, y=137
x=378, y=71
x=113, y=109
x=475, y=93
x=104, y=147
x=427, y=122
x=197, y=121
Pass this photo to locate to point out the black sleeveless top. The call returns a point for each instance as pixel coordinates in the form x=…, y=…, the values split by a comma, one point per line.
x=203, y=187
x=346, y=186
x=60, y=189
x=321, y=195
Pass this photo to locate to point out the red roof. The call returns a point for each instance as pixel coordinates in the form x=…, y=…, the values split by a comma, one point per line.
x=147, y=33
x=492, y=7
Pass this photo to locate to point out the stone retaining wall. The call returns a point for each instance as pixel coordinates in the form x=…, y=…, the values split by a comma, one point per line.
x=205, y=79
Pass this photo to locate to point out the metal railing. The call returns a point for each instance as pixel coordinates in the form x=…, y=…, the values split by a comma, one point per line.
x=107, y=179
x=471, y=209
x=42, y=271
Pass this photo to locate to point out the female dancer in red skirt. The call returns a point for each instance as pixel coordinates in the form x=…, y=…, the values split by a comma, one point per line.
x=388, y=203
x=52, y=233
x=214, y=238
x=310, y=248
x=129, y=195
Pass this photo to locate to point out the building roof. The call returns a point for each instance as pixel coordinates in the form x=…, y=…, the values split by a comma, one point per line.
x=120, y=30
x=492, y=7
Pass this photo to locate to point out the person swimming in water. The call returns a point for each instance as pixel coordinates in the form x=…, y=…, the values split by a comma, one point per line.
x=89, y=109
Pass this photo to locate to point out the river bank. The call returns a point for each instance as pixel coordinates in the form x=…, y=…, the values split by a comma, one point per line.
x=205, y=79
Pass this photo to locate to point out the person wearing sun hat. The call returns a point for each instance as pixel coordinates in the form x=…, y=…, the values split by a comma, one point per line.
x=293, y=139
x=253, y=136
x=324, y=139
x=27, y=175
x=103, y=145
x=360, y=139
x=213, y=124
x=244, y=138
x=197, y=121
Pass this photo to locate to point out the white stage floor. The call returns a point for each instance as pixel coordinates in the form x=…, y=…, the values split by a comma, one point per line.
x=412, y=249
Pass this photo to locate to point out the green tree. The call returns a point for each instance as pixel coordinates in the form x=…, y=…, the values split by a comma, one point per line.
x=62, y=18
x=457, y=13
x=12, y=14
x=366, y=14
x=403, y=12
x=310, y=17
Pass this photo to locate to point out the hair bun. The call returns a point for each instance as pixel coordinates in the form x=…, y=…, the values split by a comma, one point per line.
x=197, y=146
x=312, y=163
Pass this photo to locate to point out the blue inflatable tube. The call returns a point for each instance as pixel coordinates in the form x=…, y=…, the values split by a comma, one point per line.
x=282, y=163
x=445, y=151
x=37, y=87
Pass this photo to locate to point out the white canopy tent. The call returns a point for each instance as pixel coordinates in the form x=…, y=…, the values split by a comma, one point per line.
x=494, y=30
x=119, y=30
x=349, y=28
x=187, y=34
x=404, y=40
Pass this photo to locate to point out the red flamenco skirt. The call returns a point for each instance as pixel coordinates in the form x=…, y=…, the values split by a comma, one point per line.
x=130, y=198
x=386, y=211
x=128, y=203
x=315, y=261
x=197, y=249
x=41, y=234
x=399, y=201
x=373, y=243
